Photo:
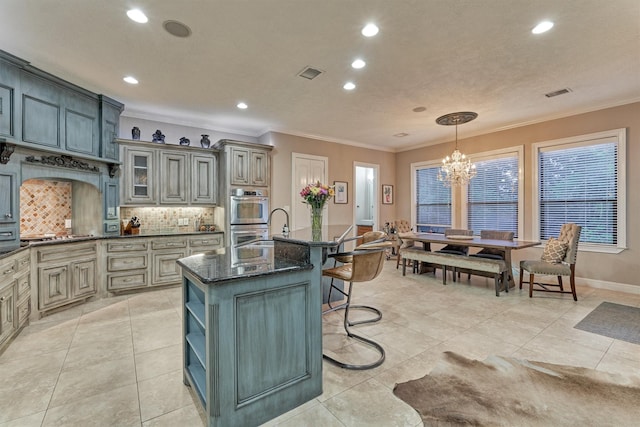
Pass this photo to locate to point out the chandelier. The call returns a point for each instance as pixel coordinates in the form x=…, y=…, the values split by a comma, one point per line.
x=456, y=169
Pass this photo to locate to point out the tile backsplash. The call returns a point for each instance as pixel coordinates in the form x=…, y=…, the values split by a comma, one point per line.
x=168, y=219
x=44, y=206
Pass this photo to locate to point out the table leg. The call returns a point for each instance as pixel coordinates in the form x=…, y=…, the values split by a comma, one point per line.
x=507, y=261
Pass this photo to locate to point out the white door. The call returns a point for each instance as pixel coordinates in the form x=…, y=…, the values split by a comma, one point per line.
x=306, y=169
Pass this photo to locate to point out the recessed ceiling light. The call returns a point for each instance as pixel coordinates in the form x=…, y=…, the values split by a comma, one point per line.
x=401, y=134
x=131, y=80
x=176, y=28
x=542, y=27
x=349, y=86
x=370, y=30
x=138, y=16
x=358, y=63
x=242, y=106
x=419, y=109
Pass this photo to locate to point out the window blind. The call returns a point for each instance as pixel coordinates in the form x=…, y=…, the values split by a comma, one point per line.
x=492, y=196
x=433, y=201
x=580, y=185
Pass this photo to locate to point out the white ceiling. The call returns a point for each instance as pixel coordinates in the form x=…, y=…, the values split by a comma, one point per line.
x=456, y=55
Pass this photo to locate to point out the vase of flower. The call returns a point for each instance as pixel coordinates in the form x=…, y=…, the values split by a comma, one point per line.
x=316, y=223
x=316, y=195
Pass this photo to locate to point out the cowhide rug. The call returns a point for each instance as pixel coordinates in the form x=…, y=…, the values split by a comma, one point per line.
x=504, y=391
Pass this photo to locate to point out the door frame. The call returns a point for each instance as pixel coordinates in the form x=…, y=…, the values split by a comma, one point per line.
x=376, y=191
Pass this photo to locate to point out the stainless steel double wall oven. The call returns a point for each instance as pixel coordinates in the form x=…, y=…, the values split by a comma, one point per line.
x=249, y=214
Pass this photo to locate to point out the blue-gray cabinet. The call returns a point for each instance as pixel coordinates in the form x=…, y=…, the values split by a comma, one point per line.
x=110, y=125
x=111, y=201
x=42, y=111
x=9, y=88
x=8, y=208
x=253, y=329
x=58, y=118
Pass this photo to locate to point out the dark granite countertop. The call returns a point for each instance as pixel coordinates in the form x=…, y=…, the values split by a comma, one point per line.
x=128, y=236
x=221, y=266
x=332, y=236
x=7, y=253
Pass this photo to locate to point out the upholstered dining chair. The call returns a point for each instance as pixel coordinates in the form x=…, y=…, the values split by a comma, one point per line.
x=493, y=235
x=402, y=226
x=365, y=266
x=558, y=259
x=491, y=253
x=456, y=249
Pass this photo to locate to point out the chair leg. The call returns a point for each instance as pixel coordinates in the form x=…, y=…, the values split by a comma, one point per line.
x=572, y=281
x=504, y=276
x=531, y=285
x=364, y=340
x=496, y=278
x=444, y=274
x=521, y=274
x=560, y=283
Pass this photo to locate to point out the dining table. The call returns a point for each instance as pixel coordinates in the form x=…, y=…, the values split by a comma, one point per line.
x=473, y=241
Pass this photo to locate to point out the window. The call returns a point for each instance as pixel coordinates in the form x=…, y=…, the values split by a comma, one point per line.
x=582, y=180
x=432, y=200
x=494, y=198
x=493, y=195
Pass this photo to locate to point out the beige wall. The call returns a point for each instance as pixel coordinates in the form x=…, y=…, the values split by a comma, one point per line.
x=341, y=166
x=593, y=268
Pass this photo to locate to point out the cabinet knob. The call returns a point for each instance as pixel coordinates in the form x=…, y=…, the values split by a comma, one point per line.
x=8, y=215
x=9, y=271
x=3, y=298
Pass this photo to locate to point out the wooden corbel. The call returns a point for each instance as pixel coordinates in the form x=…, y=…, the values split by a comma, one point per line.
x=6, y=150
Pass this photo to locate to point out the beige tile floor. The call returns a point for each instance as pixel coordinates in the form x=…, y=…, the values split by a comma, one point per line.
x=117, y=361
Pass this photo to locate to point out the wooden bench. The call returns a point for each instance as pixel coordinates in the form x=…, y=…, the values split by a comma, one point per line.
x=497, y=268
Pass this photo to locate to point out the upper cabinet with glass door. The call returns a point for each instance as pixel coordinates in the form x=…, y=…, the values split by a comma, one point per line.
x=139, y=177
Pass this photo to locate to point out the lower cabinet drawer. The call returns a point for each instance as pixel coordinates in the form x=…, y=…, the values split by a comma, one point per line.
x=169, y=243
x=24, y=309
x=206, y=243
x=7, y=269
x=126, y=245
x=127, y=262
x=23, y=262
x=23, y=286
x=128, y=280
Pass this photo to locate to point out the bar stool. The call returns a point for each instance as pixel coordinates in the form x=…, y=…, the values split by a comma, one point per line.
x=365, y=265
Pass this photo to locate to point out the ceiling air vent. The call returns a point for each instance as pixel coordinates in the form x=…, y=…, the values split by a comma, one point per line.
x=557, y=92
x=310, y=73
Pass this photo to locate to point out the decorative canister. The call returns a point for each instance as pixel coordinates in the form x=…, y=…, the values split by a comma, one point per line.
x=205, y=142
x=184, y=141
x=135, y=133
x=158, y=137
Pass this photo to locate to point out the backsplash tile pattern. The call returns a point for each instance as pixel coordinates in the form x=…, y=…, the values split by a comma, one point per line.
x=165, y=219
x=44, y=205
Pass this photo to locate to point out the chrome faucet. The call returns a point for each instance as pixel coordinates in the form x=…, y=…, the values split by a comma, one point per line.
x=285, y=227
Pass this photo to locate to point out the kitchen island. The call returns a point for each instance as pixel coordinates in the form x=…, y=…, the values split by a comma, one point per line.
x=253, y=330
